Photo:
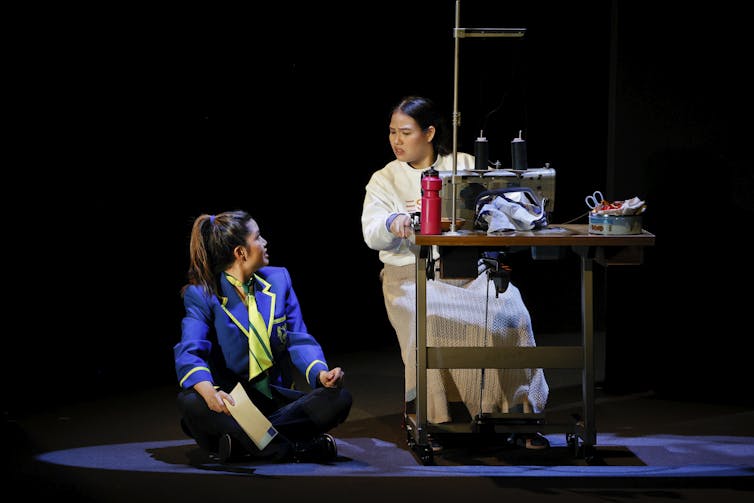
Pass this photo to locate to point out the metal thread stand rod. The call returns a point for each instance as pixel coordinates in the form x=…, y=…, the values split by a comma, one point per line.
x=459, y=33
x=456, y=118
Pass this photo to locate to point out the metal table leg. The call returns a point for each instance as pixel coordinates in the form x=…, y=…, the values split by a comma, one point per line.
x=587, y=331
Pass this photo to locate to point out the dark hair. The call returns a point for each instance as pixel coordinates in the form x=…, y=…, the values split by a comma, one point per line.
x=425, y=113
x=213, y=239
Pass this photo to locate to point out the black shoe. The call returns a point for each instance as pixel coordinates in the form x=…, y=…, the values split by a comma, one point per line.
x=532, y=441
x=321, y=449
x=224, y=448
x=434, y=444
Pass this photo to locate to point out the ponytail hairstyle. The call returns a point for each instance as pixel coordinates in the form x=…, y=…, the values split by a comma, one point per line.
x=213, y=239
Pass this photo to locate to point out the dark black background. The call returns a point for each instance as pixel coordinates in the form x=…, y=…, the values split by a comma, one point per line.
x=128, y=124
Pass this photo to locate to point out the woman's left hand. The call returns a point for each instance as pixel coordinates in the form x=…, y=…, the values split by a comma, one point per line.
x=332, y=378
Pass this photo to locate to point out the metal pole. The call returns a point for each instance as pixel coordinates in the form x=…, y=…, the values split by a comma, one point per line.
x=459, y=32
x=455, y=116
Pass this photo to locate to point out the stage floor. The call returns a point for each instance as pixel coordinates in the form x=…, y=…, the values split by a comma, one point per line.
x=130, y=448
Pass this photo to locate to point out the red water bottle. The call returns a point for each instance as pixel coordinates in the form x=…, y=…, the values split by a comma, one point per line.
x=431, y=211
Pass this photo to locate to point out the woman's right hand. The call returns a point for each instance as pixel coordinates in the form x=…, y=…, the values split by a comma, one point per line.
x=215, y=398
x=401, y=226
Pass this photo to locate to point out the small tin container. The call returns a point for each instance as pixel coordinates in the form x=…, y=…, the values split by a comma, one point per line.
x=614, y=224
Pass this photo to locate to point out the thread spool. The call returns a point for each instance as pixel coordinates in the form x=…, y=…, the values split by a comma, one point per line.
x=518, y=152
x=481, y=152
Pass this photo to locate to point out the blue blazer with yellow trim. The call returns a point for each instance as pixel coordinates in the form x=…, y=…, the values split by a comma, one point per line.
x=213, y=348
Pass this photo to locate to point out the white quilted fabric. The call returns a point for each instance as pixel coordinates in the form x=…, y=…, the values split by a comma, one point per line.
x=458, y=315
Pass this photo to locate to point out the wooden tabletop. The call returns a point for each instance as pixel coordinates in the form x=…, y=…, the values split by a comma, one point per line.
x=552, y=235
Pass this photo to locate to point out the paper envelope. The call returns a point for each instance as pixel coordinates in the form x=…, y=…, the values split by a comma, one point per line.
x=250, y=418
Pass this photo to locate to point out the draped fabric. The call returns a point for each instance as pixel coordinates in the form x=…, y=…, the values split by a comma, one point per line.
x=464, y=313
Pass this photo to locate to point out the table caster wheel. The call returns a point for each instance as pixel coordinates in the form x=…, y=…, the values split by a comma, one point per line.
x=572, y=441
x=424, y=453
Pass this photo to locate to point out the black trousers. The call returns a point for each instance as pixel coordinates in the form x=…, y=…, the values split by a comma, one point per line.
x=297, y=416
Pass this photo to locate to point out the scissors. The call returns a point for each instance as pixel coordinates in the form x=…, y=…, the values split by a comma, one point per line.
x=595, y=200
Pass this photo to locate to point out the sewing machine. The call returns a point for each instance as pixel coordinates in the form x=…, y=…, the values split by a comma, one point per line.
x=471, y=183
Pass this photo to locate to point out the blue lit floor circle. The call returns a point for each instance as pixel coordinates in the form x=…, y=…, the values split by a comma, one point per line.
x=659, y=455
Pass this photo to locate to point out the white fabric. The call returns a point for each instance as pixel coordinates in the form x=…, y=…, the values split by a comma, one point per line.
x=502, y=215
x=457, y=316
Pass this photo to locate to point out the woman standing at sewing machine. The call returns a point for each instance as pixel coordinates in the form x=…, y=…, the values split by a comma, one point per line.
x=455, y=308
